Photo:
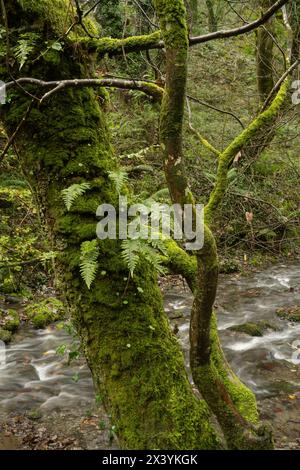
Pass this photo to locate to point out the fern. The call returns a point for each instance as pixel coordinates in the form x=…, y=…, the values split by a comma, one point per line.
x=24, y=47
x=130, y=254
x=136, y=250
x=152, y=256
x=119, y=178
x=88, y=261
x=70, y=194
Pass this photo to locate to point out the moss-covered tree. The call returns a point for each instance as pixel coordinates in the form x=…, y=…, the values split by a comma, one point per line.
x=136, y=362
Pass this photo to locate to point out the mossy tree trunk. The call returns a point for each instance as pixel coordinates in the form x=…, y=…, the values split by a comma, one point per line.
x=232, y=403
x=136, y=361
x=264, y=55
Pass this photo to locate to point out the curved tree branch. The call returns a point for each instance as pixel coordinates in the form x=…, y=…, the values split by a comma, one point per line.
x=150, y=88
x=114, y=47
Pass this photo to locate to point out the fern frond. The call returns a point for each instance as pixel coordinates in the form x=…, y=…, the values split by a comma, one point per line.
x=88, y=261
x=130, y=254
x=159, y=246
x=135, y=250
x=119, y=178
x=153, y=257
x=24, y=47
x=71, y=193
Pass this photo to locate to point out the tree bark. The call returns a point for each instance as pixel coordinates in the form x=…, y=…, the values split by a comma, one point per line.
x=264, y=55
x=212, y=20
x=232, y=403
x=136, y=361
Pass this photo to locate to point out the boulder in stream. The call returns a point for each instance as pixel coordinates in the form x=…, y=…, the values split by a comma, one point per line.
x=291, y=313
x=253, y=329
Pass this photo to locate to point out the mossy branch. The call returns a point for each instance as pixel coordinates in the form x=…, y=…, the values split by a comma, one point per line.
x=154, y=40
x=148, y=88
x=201, y=139
x=227, y=157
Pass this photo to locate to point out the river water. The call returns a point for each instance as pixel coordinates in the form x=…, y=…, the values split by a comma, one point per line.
x=36, y=378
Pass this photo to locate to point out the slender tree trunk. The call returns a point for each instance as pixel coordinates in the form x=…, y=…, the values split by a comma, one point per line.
x=264, y=55
x=232, y=403
x=212, y=20
x=265, y=74
x=192, y=7
x=136, y=362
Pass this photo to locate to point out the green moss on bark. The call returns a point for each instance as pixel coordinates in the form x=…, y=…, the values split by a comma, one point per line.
x=136, y=362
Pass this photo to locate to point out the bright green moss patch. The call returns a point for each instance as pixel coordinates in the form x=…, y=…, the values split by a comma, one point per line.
x=45, y=312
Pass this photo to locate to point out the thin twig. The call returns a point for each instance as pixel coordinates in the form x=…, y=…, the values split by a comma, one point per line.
x=17, y=130
x=278, y=85
x=204, y=103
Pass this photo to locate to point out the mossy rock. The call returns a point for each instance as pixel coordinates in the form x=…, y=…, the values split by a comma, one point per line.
x=45, y=312
x=228, y=266
x=12, y=321
x=253, y=329
x=291, y=313
x=5, y=335
x=41, y=320
x=283, y=387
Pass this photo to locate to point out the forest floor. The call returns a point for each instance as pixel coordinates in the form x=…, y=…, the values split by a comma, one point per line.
x=72, y=431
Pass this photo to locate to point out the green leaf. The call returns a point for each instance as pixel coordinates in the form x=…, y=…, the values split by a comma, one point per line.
x=88, y=261
x=61, y=350
x=56, y=46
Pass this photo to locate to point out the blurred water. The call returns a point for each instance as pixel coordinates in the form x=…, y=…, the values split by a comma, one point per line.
x=35, y=377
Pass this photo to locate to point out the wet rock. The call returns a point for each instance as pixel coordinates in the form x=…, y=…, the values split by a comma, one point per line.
x=253, y=329
x=13, y=299
x=283, y=387
x=291, y=313
x=5, y=335
x=45, y=312
x=10, y=320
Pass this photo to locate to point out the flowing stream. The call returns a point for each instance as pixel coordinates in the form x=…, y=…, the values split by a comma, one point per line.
x=36, y=378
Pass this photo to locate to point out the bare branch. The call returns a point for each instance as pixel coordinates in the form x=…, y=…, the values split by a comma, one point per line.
x=154, y=41
x=150, y=88
x=17, y=130
x=139, y=6
x=247, y=28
